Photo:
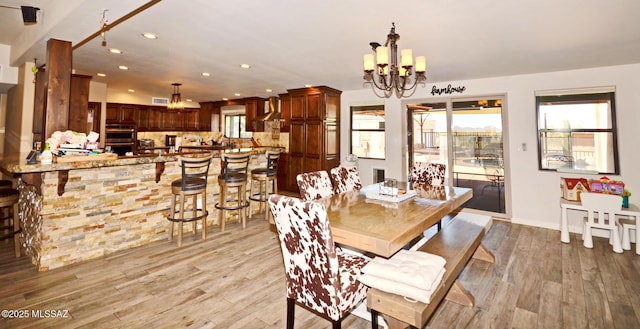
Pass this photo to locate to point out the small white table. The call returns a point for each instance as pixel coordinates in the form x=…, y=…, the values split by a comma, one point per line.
x=565, y=205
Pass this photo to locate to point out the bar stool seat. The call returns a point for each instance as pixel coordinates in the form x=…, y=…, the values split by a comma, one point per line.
x=192, y=183
x=10, y=222
x=263, y=177
x=234, y=176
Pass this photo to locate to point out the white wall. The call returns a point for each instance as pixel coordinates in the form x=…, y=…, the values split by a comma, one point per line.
x=534, y=194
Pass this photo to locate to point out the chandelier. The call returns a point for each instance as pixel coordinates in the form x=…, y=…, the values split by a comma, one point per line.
x=391, y=76
x=176, y=101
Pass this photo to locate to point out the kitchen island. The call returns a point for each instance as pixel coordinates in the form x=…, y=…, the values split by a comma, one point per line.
x=75, y=211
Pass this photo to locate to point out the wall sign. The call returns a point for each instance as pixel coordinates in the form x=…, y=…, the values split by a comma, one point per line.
x=447, y=90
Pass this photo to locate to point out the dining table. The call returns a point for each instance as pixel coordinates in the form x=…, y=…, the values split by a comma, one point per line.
x=383, y=227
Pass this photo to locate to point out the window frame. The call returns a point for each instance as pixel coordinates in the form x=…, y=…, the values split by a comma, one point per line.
x=353, y=109
x=577, y=97
x=241, y=125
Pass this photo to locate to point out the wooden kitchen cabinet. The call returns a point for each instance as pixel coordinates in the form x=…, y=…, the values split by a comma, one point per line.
x=191, y=119
x=172, y=120
x=254, y=107
x=121, y=113
x=142, y=118
x=285, y=112
x=314, y=126
x=155, y=118
x=79, y=103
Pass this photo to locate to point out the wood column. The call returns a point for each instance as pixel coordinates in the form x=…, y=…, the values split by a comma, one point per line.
x=58, y=86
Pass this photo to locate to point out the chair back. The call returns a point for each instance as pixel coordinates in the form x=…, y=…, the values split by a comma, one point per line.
x=424, y=173
x=272, y=163
x=345, y=179
x=235, y=166
x=194, y=172
x=310, y=257
x=314, y=185
x=601, y=209
x=494, y=174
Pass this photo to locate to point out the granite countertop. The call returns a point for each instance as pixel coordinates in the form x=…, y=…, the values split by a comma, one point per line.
x=17, y=164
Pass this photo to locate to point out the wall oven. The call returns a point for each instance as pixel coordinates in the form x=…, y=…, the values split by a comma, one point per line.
x=121, y=138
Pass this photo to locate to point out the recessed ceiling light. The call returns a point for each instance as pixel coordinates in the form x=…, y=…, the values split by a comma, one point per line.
x=131, y=90
x=225, y=99
x=189, y=100
x=101, y=74
x=115, y=51
x=206, y=74
x=149, y=35
x=237, y=94
x=307, y=86
x=245, y=66
x=122, y=67
x=268, y=90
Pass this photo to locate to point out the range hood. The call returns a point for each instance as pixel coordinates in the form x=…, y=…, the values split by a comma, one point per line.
x=274, y=111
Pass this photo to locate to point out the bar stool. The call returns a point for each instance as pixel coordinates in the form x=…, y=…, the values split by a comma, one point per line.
x=11, y=222
x=192, y=183
x=234, y=176
x=263, y=177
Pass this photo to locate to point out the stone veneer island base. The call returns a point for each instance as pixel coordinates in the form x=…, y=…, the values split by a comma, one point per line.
x=102, y=206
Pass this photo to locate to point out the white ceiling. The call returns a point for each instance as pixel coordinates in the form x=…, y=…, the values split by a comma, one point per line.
x=293, y=43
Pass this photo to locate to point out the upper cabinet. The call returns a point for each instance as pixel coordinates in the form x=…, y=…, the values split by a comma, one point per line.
x=159, y=118
x=79, y=104
x=121, y=113
x=315, y=103
x=254, y=107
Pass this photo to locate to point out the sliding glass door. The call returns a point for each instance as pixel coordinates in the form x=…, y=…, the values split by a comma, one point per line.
x=467, y=136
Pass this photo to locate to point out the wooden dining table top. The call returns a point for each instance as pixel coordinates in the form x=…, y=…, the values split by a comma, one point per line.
x=383, y=227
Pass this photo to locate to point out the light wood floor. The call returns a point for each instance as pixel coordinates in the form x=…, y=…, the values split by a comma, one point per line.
x=235, y=279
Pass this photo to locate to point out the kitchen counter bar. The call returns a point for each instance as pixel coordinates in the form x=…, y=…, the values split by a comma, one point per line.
x=102, y=206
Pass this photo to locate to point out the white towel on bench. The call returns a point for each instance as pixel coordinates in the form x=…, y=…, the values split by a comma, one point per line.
x=413, y=274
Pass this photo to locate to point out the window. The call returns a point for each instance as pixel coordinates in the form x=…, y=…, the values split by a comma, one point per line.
x=234, y=126
x=367, y=131
x=577, y=131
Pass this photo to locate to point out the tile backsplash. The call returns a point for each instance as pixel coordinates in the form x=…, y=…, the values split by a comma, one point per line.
x=194, y=138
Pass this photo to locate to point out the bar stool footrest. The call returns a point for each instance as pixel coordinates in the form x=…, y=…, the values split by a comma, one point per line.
x=188, y=219
x=237, y=207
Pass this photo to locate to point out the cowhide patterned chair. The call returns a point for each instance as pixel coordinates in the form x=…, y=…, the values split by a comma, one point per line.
x=424, y=173
x=428, y=174
x=318, y=274
x=345, y=179
x=314, y=185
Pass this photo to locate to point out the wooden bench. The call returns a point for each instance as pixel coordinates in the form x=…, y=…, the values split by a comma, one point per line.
x=457, y=242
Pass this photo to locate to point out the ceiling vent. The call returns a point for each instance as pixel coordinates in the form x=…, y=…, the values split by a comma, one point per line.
x=159, y=101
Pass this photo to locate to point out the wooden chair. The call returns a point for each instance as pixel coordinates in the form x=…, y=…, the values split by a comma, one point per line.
x=423, y=173
x=192, y=183
x=234, y=176
x=345, y=179
x=601, y=213
x=314, y=185
x=264, y=177
x=318, y=275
